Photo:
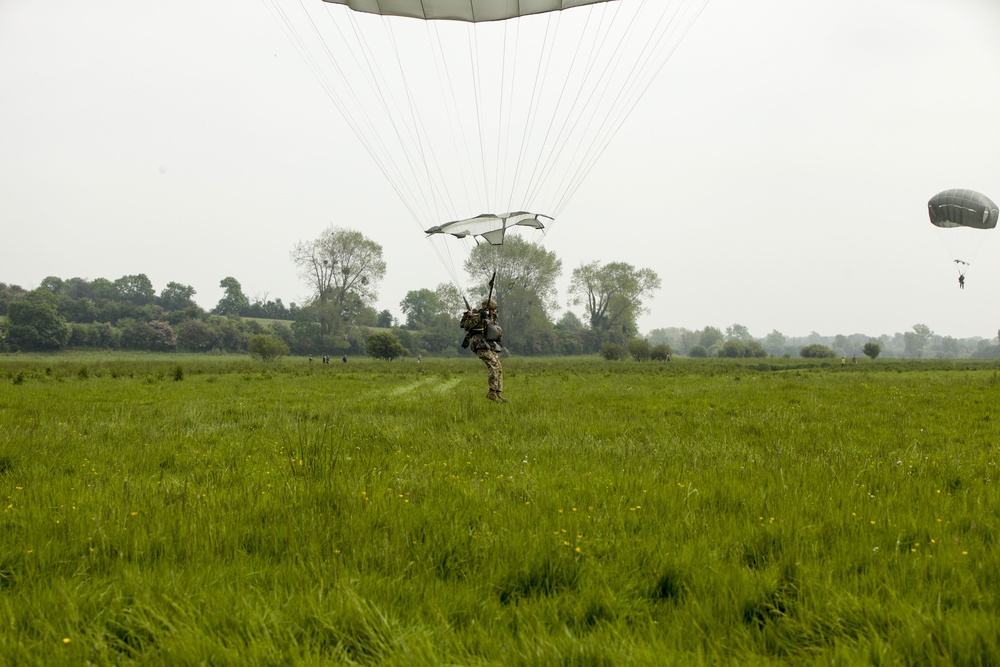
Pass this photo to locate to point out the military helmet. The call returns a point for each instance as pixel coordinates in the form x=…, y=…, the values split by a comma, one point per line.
x=490, y=303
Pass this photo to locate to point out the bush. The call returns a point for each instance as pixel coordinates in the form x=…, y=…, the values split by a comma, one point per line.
x=871, y=349
x=195, y=336
x=816, y=351
x=282, y=331
x=229, y=333
x=660, y=352
x=614, y=352
x=737, y=349
x=639, y=349
x=266, y=347
x=155, y=336
x=99, y=335
x=384, y=345
x=734, y=349
x=698, y=351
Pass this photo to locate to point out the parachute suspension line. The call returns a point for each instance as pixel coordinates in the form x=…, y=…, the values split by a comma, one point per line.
x=508, y=100
x=638, y=90
x=567, y=128
x=531, y=115
x=404, y=132
x=961, y=244
x=454, y=116
x=663, y=48
x=292, y=33
x=476, y=80
x=600, y=89
x=437, y=193
x=379, y=152
x=373, y=85
x=446, y=259
x=500, y=161
x=461, y=149
x=534, y=180
x=382, y=156
x=947, y=246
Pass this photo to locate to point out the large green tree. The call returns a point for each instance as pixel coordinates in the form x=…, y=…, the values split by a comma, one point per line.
x=176, y=296
x=340, y=264
x=102, y=288
x=35, y=323
x=774, y=342
x=711, y=338
x=8, y=294
x=525, y=288
x=77, y=288
x=915, y=341
x=233, y=301
x=612, y=296
x=433, y=314
x=137, y=289
x=738, y=332
x=423, y=307
x=420, y=307
x=52, y=284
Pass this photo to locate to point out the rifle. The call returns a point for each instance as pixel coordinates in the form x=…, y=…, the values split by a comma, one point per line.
x=487, y=325
x=492, y=280
x=483, y=312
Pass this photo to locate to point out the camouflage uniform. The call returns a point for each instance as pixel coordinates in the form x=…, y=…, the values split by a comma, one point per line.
x=475, y=323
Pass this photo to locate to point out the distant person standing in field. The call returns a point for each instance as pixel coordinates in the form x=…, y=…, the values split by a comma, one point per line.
x=484, y=338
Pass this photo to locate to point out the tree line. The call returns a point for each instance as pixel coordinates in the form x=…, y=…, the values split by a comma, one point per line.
x=736, y=341
x=128, y=314
x=343, y=270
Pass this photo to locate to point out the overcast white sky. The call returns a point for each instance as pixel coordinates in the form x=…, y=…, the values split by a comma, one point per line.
x=775, y=175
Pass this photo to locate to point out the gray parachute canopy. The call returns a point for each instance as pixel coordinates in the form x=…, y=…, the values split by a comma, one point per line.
x=472, y=11
x=962, y=208
x=489, y=226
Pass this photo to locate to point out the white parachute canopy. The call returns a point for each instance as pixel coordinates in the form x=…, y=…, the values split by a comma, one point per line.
x=507, y=107
x=472, y=11
x=488, y=226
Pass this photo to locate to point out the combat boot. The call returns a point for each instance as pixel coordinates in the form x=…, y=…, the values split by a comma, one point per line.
x=495, y=397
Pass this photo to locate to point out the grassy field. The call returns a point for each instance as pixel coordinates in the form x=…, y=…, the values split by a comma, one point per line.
x=189, y=510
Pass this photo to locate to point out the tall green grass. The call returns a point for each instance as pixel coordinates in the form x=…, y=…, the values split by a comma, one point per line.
x=209, y=510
